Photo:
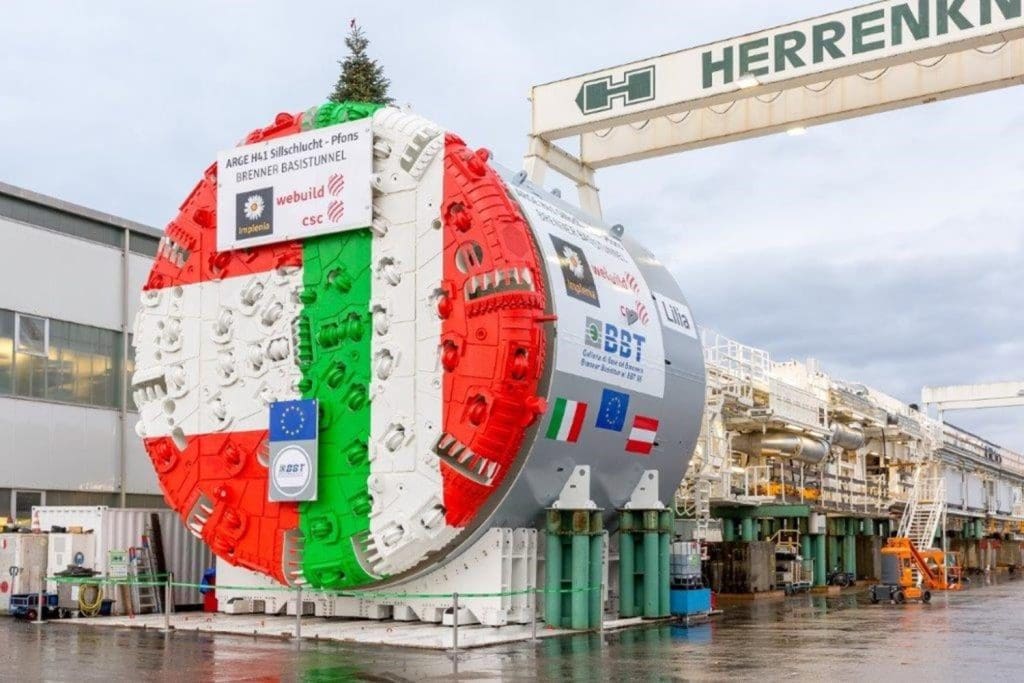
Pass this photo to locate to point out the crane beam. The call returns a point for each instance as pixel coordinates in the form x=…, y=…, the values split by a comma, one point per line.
x=876, y=57
x=895, y=87
x=974, y=396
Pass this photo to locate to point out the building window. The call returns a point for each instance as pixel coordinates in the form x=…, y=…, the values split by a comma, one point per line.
x=6, y=351
x=144, y=245
x=22, y=502
x=81, y=363
x=32, y=333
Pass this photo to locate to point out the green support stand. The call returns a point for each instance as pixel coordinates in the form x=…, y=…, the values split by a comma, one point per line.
x=664, y=568
x=553, y=571
x=652, y=591
x=627, y=565
x=596, y=594
x=832, y=547
x=747, y=529
x=819, y=559
x=850, y=546
x=728, y=530
x=580, y=601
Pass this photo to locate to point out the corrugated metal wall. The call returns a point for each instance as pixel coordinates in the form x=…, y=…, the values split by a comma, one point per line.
x=123, y=528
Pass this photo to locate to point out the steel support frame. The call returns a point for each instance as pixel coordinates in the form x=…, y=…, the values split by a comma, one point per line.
x=543, y=155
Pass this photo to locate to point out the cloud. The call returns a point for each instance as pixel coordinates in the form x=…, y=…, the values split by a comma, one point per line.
x=889, y=247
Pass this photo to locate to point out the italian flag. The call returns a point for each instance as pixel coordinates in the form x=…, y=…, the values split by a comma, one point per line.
x=421, y=337
x=566, y=420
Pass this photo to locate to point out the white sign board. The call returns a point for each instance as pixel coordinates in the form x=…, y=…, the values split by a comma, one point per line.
x=295, y=187
x=607, y=328
x=675, y=315
x=850, y=41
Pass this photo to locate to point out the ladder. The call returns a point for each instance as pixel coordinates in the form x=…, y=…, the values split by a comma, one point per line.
x=925, y=507
x=146, y=594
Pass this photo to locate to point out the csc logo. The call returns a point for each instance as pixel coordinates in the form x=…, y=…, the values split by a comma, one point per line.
x=614, y=340
x=312, y=221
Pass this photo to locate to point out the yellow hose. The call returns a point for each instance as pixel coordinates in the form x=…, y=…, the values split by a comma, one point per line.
x=90, y=609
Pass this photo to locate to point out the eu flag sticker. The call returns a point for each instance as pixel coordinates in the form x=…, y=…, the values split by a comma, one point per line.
x=612, y=413
x=293, y=450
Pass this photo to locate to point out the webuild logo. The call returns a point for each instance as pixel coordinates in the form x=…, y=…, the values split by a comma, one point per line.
x=579, y=279
x=254, y=213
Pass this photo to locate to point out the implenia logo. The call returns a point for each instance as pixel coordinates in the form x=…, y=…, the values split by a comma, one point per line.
x=597, y=95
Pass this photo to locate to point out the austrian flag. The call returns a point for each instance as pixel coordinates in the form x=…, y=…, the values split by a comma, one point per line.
x=641, y=437
x=566, y=420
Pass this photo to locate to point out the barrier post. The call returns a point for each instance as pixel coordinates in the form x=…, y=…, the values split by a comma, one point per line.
x=455, y=623
x=167, y=604
x=298, y=613
x=533, y=618
x=39, y=613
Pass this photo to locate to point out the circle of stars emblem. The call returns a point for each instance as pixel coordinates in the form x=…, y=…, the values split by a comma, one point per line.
x=293, y=419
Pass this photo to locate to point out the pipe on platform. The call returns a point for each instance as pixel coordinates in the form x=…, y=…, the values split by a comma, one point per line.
x=847, y=438
x=793, y=446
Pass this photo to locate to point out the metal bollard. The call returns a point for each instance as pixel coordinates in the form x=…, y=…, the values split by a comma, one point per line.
x=533, y=619
x=298, y=614
x=167, y=604
x=455, y=623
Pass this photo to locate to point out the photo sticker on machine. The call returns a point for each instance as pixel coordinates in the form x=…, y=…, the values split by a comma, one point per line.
x=254, y=213
x=579, y=279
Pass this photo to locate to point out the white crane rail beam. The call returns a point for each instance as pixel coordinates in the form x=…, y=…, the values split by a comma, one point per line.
x=974, y=396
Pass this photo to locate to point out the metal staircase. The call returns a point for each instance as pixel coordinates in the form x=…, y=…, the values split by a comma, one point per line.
x=925, y=507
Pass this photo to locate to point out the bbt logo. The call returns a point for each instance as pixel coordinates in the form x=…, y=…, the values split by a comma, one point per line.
x=597, y=95
x=614, y=340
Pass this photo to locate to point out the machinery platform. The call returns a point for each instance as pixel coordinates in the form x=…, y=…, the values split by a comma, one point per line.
x=393, y=633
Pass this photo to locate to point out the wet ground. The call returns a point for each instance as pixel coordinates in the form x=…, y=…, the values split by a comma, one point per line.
x=976, y=635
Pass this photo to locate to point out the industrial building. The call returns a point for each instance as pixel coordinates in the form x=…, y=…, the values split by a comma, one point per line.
x=68, y=292
x=789, y=452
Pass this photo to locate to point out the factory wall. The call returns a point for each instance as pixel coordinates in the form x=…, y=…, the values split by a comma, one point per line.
x=60, y=410
x=47, y=273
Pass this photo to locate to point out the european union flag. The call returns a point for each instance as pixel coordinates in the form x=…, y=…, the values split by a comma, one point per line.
x=293, y=420
x=612, y=413
x=293, y=451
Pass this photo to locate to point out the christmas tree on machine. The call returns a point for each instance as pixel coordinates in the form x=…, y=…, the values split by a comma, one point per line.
x=362, y=78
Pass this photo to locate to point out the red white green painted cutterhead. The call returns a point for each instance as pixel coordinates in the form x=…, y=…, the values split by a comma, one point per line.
x=427, y=340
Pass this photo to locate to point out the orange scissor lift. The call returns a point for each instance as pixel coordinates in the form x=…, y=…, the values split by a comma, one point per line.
x=912, y=573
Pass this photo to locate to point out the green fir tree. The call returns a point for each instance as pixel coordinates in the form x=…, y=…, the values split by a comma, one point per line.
x=362, y=79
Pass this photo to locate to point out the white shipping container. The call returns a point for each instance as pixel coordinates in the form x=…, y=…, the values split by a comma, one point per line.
x=22, y=565
x=954, y=488
x=1005, y=498
x=69, y=550
x=975, y=497
x=122, y=528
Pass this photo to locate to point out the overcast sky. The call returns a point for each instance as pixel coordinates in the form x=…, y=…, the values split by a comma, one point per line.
x=890, y=248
